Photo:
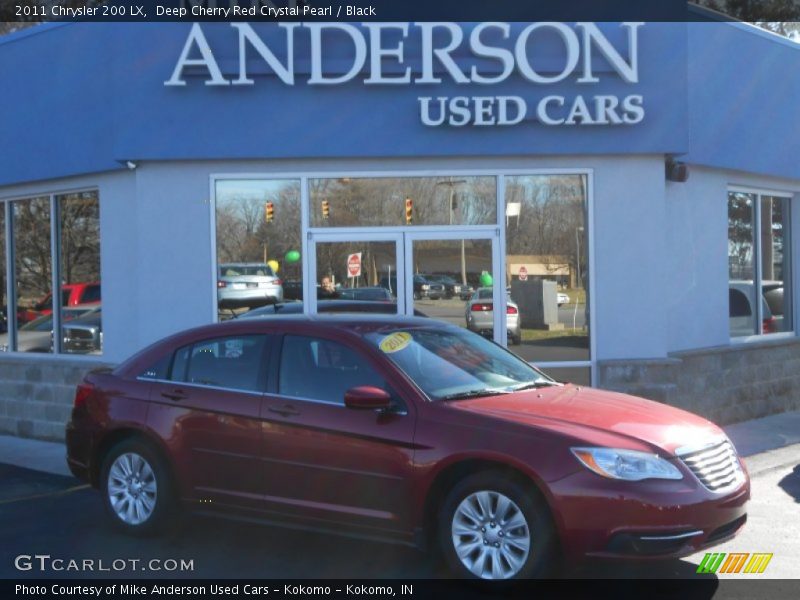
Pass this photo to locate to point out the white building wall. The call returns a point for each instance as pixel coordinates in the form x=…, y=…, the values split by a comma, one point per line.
x=157, y=246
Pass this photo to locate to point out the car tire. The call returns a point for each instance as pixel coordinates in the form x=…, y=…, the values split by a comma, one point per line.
x=466, y=534
x=138, y=493
x=516, y=340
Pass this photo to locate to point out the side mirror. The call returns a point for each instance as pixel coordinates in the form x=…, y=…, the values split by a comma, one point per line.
x=367, y=397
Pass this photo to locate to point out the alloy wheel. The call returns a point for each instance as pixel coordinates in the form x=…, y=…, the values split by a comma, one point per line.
x=132, y=488
x=490, y=535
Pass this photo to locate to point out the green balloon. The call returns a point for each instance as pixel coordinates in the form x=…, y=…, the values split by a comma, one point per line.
x=292, y=256
x=486, y=279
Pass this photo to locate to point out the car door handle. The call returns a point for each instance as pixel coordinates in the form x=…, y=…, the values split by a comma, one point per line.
x=175, y=395
x=284, y=411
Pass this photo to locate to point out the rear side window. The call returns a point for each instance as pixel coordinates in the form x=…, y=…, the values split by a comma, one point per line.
x=235, y=362
x=160, y=370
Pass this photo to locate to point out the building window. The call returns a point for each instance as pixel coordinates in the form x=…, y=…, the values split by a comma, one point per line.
x=258, y=243
x=759, y=251
x=73, y=259
x=79, y=263
x=547, y=267
x=401, y=201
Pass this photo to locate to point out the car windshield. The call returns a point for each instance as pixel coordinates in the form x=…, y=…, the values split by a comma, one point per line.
x=451, y=363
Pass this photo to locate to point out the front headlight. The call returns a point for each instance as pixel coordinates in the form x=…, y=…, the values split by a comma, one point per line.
x=629, y=465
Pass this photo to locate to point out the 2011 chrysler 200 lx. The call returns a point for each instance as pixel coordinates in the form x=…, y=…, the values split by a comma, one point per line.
x=405, y=429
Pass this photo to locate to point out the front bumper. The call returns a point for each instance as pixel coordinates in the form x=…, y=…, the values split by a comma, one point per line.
x=605, y=518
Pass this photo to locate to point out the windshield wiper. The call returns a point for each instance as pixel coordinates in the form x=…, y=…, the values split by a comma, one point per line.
x=533, y=385
x=474, y=394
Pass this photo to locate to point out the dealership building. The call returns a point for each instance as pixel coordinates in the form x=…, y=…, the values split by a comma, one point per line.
x=634, y=186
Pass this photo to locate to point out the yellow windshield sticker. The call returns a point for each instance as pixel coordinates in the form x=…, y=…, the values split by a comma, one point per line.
x=395, y=342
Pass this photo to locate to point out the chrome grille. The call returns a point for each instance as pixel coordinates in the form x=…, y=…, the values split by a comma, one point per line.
x=715, y=465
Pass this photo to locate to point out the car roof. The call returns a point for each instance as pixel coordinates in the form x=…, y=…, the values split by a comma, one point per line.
x=348, y=324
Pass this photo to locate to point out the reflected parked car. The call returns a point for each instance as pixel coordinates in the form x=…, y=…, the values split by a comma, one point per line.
x=84, y=335
x=423, y=287
x=247, y=284
x=480, y=315
x=452, y=287
x=562, y=298
x=37, y=335
x=403, y=429
x=373, y=294
x=742, y=311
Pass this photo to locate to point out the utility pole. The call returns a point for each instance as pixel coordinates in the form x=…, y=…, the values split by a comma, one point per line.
x=451, y=183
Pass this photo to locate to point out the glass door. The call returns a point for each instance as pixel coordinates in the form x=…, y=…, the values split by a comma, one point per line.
x=451, y=276
x=356, y=272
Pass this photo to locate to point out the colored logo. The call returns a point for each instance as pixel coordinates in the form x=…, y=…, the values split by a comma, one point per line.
x=734, y=562
x=395, y=342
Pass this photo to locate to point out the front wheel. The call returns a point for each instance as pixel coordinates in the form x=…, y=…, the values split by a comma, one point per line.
x=136, y=489
x=493, y=528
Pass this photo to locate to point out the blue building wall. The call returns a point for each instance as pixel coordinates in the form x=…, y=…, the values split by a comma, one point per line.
x=86, y=96
x=744, y=94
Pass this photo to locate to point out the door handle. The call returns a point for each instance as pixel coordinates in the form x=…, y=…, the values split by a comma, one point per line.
x=284, y=411
x=175, y=395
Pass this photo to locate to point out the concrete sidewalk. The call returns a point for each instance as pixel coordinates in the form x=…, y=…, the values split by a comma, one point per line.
x=750, y=438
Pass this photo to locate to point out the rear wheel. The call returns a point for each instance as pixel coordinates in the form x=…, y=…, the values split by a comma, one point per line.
x=493, y=528
x=137, y=492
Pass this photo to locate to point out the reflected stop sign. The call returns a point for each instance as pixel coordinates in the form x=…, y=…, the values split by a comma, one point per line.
x=523, y=273
x=354, y=265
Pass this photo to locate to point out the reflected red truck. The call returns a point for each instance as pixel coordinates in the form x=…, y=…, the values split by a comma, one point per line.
x=406, y=430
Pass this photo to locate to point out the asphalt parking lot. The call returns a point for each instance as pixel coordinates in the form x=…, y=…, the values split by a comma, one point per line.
x=55, y=515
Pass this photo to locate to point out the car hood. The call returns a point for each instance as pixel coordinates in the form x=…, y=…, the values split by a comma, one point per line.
x=572, y=409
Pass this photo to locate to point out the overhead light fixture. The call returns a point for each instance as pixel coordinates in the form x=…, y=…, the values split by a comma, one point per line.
x=130, y=164
x=676, y=170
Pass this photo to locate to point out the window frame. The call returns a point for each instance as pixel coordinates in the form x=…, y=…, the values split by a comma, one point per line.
x=760, y=193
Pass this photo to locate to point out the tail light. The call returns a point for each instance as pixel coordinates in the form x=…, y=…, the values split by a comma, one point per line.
x=277, y=282
x=481, y=307
x=222, y=284
x=769, y=326
x=511, y=310
x=82, y=394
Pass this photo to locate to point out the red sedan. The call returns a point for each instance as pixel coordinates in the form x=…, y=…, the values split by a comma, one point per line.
x=408, y=430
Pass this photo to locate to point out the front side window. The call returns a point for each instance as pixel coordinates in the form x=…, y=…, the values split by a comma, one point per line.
x=759, y=249
x=323, y=370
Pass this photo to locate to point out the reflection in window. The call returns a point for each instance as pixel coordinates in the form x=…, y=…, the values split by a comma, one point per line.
x=758, y=262
x=258, y=243
x=319, y=369
x=547, y=265
x=32, y=268
x=79, y=230
x=232, y=362
x=396, y=201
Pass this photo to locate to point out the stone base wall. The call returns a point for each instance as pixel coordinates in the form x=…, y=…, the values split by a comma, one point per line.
x=36, y=395
x=727, y=384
